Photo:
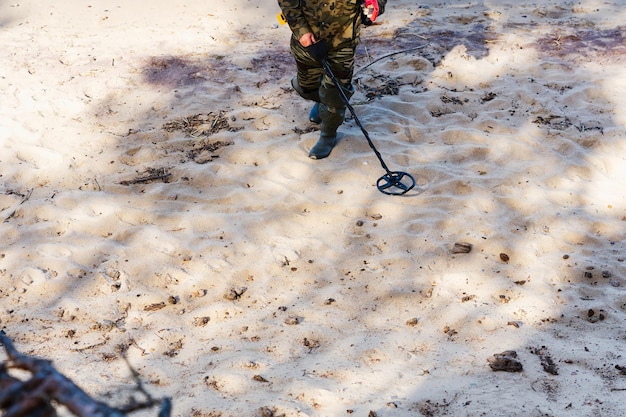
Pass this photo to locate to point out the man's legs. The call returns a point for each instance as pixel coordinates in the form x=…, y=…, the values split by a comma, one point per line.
x=332, y=108
x=309, y=75
x=312, y=84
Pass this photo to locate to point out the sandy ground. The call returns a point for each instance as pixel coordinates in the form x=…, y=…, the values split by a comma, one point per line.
x=157, y=202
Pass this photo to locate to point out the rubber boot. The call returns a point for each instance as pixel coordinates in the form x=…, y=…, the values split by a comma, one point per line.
x=328, y=131
x=332, y=110
x=305, y=94
x=314, y=115
x=323, y=147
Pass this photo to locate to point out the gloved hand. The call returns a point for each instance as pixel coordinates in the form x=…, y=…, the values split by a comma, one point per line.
x=370, y=10
x=318, y=50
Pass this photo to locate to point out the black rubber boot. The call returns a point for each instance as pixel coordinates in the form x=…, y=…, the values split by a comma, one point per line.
x=331, y=120
x=323, y=147
x=305, y=94
x=332, y=110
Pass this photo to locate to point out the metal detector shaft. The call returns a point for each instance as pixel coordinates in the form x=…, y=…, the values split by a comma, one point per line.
x=390, y=183
x=356, y=119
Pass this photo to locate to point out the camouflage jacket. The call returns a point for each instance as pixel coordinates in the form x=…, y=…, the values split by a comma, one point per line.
x=335, y=21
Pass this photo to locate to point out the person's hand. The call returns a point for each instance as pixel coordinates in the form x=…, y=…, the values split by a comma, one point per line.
x=307, y=39
x=370, y=10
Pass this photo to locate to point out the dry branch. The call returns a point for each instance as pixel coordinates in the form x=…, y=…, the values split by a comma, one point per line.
x=153, y=174
x=35, y=397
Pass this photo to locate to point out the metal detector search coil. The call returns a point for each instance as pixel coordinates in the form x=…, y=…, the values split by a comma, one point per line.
x=392, y=183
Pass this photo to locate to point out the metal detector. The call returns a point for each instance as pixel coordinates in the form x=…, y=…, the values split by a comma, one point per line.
x=393, y=182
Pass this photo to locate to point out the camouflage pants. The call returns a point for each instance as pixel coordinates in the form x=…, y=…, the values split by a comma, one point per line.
x=314, y=84
x=312, y=78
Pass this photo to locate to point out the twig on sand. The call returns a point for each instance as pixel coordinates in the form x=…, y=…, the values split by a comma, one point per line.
x=158, y=174
x=35, y=397
x=24, y=199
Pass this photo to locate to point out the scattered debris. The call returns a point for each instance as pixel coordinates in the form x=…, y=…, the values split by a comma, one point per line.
x=594, y=316
x=293, y=320
x=429, y=408
x=488, y=97
x=152, y=174
x=506, y=361
x=554, y=122
x=586, y=127
x=438, y=112
x=266, y=412
x=451, y=100
x=203, y=151
x=154, y=307
x=45, y=389
x=412, y=322
x=388, y=86
x=450, y=332
x=201, y=321
x=546, y=360
x=235, y=293
x=462, y=247
x=305, y=130
x=175, y=348
x=311, y=344
x=24, y=197
x=202, y=124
